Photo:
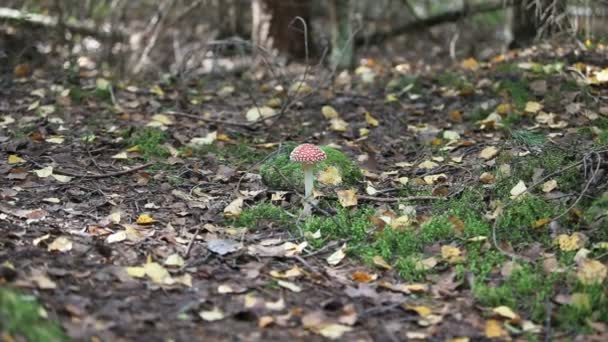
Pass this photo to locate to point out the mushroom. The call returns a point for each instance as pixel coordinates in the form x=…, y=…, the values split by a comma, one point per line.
x=308, y=155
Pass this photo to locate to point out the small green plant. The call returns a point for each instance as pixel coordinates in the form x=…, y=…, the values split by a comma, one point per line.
x=21, y=316
x=518, y=90
x=149, y=141
x=262, y=212
x=290, y=174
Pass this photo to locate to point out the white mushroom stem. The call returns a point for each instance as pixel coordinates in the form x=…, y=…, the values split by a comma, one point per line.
x=308, y=186
x=308, y=179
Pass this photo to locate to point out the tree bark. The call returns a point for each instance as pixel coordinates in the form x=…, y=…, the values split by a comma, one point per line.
x=342, y=51
x=275, y=26
x=536, y=18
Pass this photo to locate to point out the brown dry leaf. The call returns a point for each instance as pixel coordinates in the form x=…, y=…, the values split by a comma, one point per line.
x=432, y=179
x=363, y=277
x=347, y=198
x=591, y=272
x=427, y=263
x=265, y=321
x=494, y=329
x=488, y=153
x=317, y=323
x=330, y=176
x=293, y=272
x=487, y=178
x=41, y=280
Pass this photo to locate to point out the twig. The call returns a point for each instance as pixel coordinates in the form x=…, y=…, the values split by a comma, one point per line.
x=105, y=175
x=397, y=199
x=328, y=246
x=191, y=242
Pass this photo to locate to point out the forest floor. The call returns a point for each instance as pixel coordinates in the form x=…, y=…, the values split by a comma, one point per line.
x=139, y=211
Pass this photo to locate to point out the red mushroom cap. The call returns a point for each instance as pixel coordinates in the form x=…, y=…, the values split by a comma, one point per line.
x=307, y=153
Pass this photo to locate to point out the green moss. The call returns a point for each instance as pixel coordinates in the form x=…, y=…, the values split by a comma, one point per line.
x=149, y=141
x=236, y=155
x=527, y=290
x=518, y=90
x=262, y=212
x=575, y=316
x=517, y=220
x=293, y=174
x=21, y=316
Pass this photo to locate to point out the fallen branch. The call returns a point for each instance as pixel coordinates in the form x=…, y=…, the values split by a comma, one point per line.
x=447, y=17
x=38, y=20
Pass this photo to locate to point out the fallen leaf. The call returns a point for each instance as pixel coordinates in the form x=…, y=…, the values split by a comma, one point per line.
x=494, y=329
x=60, y=244
x=427, y=165
x=212, y=315
x=136, y=271
x=223, y=246
x=549, y=186
x=117, y=237
x=174, y=260
x=451, y=254
x=44, y=172
x=371, y=120
x=330, y=176
x=591, y=272
x=145, y=219
x=15, y=159
x=329, y=112
x=235, y=208
x=347, y=198
x=363, y=277
x=488, y=152
x=518, y=189
x=380, y=262
x=506, y=312
x=568, y=243
x=157, y=273
x=421, y=310
x=338, y=125
x=533, y=107
x=256, y=113
x=470, y=64
x=336, y=256
x=289, y=285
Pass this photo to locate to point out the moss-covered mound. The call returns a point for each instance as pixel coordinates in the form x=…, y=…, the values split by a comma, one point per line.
x=293, y=174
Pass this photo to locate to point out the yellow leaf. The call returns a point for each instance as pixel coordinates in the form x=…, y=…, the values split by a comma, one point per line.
x=156, y=90
x=380, y=262
x=488, y=153
x=338, y=125
x=336, y=256
x=15, y=159
x=120, y=155
x=347, y=198
x=60, y=244
x=470, y=64
x=61, y=178
x=157, y=273
x=333, y=331
x=300, y=88
x=533, y=107
x=330, y=176
x=591, y=272
x=602, y=76
x=505, y=312
x=581, y=301
x=451, y=254
x=145, y=219
x=136, y=271
x=371, y=120
x=568, y=243
x=174, y=260
x=235, y=208
x=503, y=109
x=494, y=329
x=421, y=310
x=432, y=179
x=329, y=112
x=257, y=113
x=427, y=165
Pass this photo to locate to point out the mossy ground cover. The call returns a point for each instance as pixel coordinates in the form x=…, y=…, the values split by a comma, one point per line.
x=21, y=316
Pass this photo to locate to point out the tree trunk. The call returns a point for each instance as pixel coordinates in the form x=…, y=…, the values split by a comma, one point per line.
x=342, y=52
x=275, y=29
x=536, y=18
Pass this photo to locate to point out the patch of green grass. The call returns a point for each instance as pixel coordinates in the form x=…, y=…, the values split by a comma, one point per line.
x=293, y=175
x=21, y=316
x=478, y=114
x=508, y=68
x=149, y=142
x=528, y=138
x=262, y=212
x=450, y=79
x=527, y=290
x=236, y=155
x=516, y=223
x=518, y=90
x=590, y=304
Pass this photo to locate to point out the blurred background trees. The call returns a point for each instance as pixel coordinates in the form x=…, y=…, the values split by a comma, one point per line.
x=160, y=36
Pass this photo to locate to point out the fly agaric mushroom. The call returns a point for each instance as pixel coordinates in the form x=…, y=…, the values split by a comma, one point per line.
x=308, y=155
